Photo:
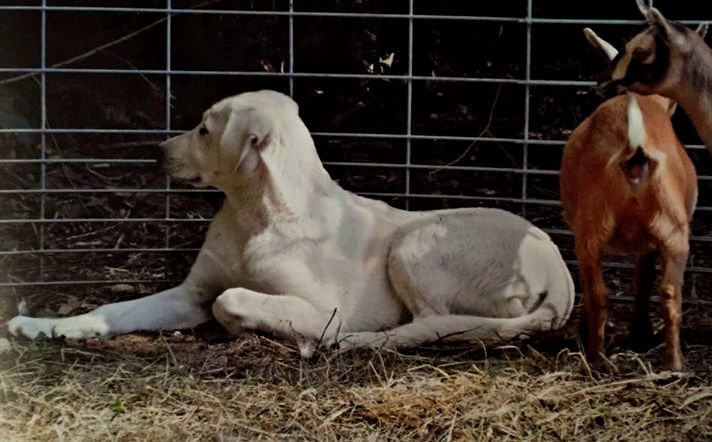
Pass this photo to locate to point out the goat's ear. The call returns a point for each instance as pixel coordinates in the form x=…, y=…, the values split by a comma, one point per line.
x=702, y=29
x=642, y=7
x=671, y=36
x=604, y=48
x=247, y=128
x=672, y=107
x=668, y=104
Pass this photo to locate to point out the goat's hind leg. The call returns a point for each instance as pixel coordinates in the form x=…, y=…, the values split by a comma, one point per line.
x=595, y=302
x=674, y=258
x=641, y=331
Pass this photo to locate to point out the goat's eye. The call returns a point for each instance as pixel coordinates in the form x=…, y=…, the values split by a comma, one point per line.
x=203, y=130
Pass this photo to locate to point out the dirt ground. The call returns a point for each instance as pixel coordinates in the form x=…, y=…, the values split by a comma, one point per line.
x=203, y=385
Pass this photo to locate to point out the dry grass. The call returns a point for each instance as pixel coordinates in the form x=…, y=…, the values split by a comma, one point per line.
x=195, y=387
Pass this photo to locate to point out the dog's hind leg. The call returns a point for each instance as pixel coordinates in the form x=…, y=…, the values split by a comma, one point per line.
x=176, y=308
x=286, y=316
x=440, y=267
x=449, y=328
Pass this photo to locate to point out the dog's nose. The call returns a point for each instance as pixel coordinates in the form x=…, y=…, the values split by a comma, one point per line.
x=159, y=155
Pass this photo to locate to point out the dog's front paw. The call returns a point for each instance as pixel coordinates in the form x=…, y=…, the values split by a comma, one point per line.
x=31, y=328
x=83, y=326
x=229, y=312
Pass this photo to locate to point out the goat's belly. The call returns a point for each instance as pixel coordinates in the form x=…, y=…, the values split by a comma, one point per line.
x=630, y=239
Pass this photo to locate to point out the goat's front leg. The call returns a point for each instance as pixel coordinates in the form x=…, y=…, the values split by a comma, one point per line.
x=595, y=300
x=674, y=257
x=176, y=308
x=286, y=316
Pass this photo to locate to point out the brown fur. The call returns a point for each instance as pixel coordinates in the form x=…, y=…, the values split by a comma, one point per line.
x=609, y=215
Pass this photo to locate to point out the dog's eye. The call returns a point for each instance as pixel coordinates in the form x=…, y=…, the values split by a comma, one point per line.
x=203, y=130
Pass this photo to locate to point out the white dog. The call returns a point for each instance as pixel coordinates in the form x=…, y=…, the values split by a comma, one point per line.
x=293, y=254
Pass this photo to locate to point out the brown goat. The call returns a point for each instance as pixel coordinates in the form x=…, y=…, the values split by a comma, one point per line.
x=629, y=188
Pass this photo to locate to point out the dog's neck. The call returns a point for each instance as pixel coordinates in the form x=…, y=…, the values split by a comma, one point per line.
x=286, y=187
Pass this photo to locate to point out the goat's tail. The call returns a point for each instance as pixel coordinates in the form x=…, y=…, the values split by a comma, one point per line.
x=637, y=136
x=638, y=159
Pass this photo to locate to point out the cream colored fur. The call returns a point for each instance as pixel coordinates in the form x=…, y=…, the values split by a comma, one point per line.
x=293, y=254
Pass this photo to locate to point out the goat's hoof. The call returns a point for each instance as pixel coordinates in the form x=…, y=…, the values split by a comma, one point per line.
x=672, y=362
x=601, y=366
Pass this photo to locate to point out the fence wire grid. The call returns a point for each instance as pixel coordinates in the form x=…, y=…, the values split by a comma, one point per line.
x=422, y=104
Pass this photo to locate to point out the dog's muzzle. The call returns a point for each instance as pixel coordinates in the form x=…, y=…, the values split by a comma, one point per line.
x=171, y=165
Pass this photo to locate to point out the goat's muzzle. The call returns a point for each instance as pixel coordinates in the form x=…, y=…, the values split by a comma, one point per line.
x=611, y=88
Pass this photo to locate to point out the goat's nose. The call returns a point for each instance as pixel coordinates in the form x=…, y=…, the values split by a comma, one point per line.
x=611, y=88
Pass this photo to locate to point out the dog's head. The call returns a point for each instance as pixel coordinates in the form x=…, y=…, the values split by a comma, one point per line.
x=229, y=144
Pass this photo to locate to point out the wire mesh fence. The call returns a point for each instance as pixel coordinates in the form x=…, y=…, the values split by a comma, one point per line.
x=422, y=104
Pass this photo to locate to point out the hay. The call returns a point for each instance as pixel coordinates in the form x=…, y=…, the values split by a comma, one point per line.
x=178, y=387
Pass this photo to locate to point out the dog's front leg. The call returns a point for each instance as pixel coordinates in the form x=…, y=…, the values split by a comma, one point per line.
x=175, y=308
x=287, y=316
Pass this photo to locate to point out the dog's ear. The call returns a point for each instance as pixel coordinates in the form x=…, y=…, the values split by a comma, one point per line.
x=247, y=128
x=249, y=132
